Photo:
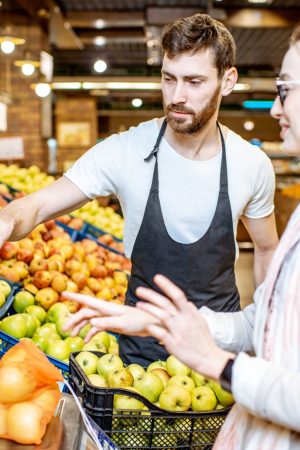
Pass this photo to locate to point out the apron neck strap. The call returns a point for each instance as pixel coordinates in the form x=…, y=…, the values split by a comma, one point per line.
x=156, y=145
x=223, y=174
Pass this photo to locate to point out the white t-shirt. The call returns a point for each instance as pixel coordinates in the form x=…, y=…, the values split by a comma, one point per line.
x=188, y=189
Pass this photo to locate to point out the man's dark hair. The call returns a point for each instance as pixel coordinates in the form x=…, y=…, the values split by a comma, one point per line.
x=199, y=33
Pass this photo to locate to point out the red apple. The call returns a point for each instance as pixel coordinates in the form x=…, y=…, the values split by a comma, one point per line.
x=8, y=250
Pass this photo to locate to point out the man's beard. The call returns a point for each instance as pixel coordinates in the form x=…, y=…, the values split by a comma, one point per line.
x=199, y=120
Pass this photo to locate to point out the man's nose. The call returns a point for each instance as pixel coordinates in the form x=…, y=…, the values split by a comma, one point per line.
x=179, y=94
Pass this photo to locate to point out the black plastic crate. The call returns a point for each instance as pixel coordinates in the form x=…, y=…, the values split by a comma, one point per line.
x=154, y=428
x=15, y=287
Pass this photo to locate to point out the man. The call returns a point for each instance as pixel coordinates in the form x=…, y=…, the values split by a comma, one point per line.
x=183, y=182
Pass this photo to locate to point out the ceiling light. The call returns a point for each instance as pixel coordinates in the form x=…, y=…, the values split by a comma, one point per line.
x=121, y=85
x=67, y=85
x=28, y=64
x=100, y=66
x=248, y=125
x=28, y=69
x=42, y=89
x=263, y=2
x=241, y=87
x=8, y=43
x=100, y=40
x=7, y=47
x=137, y=102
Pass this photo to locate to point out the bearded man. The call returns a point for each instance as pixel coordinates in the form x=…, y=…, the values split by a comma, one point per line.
x=183, y=182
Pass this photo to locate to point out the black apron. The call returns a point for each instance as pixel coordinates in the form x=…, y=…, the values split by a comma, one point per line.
x=203, y=269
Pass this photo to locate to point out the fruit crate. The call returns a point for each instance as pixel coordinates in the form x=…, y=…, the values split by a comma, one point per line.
x=154, y=428
x=15, y=287
x=7, y=341
x=96, y=232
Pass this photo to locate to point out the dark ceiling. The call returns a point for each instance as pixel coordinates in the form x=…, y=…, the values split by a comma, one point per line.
x=121, y=31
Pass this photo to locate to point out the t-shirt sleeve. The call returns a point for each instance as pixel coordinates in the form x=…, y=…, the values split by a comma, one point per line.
x=262, y=201
x=101, y=170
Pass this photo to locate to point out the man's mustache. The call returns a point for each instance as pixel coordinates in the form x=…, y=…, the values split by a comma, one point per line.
x=179, y=109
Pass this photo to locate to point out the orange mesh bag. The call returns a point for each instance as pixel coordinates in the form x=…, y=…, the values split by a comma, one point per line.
x=29, y=393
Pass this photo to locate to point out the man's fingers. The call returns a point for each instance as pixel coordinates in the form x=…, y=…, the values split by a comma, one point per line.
x=171, y=290
x=155, y=298
x=78, y=327
x=82, y=314
x=158, y=332
x=95, y=303
x=155, y=311
x=90, y=334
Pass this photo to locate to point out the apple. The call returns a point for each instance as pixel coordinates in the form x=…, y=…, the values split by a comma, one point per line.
x=175, y=398
x=10, y=274
x=46, y=297
x=42, y=279
x=120, y=378
x=88, y=362
x=136, y=371
x=60, y=324
x=156, y=365
x=112, y=338
x=176, y=367
x=183, y=381
x=25, y=255
x=8, y=250
x=162, y=374
x=72, y=266
x=59, y=283
x=126, y=402
x=2, y=299
x=56, y=312
x=103, y=337
x=166, y=441
x=14, y=325
x=95, y=346
x=75, y=343
x=30, y=287
x=80, y=279
x=113, y=348
x=97, y=380
x=131, y=439
x=198, y=379
x=40, y=341
x=22, y=268
x=223, y=397
x=36, y=311
x=37, y=264
x=108, y=363
x=150, y=386
x=22, y=300
x=84, y=330
x=58, y=349
x=32, y=324
x=203, y=399
x=5, y=288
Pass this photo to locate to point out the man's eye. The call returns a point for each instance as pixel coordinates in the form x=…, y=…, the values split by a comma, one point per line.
x=195, y=82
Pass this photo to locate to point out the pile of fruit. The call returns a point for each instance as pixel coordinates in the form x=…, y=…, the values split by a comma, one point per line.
x=45, y=329
x=25, y=180
x=5, y=290
x=101, y=217
x=292, y=191
x=170, y=384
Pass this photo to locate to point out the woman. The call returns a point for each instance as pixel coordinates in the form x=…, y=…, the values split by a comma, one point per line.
x=266, y=386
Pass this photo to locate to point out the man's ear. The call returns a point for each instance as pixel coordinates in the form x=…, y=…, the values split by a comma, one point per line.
x=229, y=79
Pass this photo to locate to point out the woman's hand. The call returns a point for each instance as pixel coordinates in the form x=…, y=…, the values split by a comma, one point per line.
x=181, y=328
x=103, y=315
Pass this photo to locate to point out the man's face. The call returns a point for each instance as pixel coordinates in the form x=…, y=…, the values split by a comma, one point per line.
x=191, y=91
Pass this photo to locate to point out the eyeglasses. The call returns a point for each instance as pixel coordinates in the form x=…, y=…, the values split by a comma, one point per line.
x=281, y=90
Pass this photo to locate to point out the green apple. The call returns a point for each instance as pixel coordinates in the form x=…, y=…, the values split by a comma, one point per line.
x=36, y=311
x=47, y=328
x=5, y=288
x=176, y=367
x=183, y=381
x=113, y=348
x=97, y=380
x=60, y=323
x=2, y=299
x=120, y=378
x=108, y=363
x=112, y=338
x=84, y=331
x=22, y=300
x=14, y=325
x=162, y=374
x=75, y=343
x=126, y=402
x=175, y=398
x=135, y=439
x=166, y=441
x=94, y=346
x=103, y=337
x=32, y=324
x=57, y=311
x=223, y=397
x=198, y=379
x=156, y=365
x=136, y=371
x=88, y=362
x=203, y=399
x=150, y=386
x=40, y=341
x=58, y=349
x=219, y=406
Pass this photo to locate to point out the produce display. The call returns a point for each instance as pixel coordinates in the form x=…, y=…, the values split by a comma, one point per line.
x=170, y=384
x=5, y=290
x=25, y=180
x=29, y=394
x=292, y=191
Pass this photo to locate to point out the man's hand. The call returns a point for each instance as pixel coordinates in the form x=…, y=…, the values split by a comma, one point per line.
x=103, y=315
x=182, y=329
x=6, y=229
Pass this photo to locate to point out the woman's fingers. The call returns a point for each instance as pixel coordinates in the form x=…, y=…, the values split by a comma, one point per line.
x=155, y=298
x=97, y=304
x=160, y=313
x=82, y=314
x=90, y=334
